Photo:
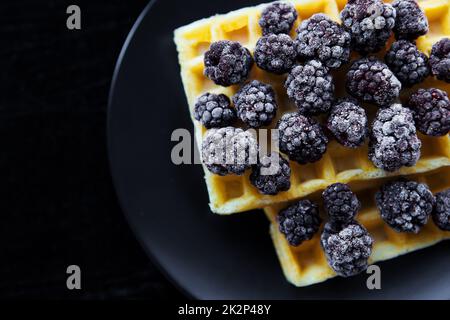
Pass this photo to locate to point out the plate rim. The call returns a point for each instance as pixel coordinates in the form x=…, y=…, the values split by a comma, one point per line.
x=109, y=142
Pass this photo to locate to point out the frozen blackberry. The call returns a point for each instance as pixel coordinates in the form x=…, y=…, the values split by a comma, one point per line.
x=311, y=87
x=340, y=202
x=411, y=21
x=227, y=63
x=431, y=109
x=272, y=174
x=255, y=104
x=393, y=140
x=347, y=247
x=299, y=222
x=301, y=138
x=229, y=150
x=440, y=59
x=409, y=65
x=348, y=123
x=321, y=38
x=275, y=53
x=441, y=212
x=369, y=23
x=214, y=110
x=405, y=205
x=371, y=81
x=278, y=17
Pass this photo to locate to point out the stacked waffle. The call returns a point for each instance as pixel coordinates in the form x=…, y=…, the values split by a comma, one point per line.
x=306, y=264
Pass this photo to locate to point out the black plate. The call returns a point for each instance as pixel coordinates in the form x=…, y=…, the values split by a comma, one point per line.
x=210, y=256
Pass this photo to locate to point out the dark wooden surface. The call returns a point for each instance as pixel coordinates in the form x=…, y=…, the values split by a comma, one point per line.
x=58, y=206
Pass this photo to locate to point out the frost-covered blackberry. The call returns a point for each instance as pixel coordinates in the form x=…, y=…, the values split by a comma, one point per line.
x=214, y=110
x=275, y=53
x=299, y=222
x=440, y=59
x=227, y=63
x=340, y=203
x=347, y=247
x=311, y=87
x=393, y=140
x=405, y=205
x=229, y=150
x=301, y=138
x=255, y=104
x=348, y=123
x=370, y=80
x=431, y=109
x=408, y=64
x=278, y=17
x=271, y=175
x=369, y=23
x=411, y=21
x=321, y=38
x=441, y=212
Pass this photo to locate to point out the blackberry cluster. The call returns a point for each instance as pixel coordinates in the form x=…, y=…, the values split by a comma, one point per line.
x=301, y=138
x=348, y=123
x=347, y=247
x=440, y=59
x=369, y=23
x=408, y=64
x=278, y=17
x=229, y=150
x=340, y=202
x=321, y=38
x=393, y=141
x=411, y=21
x=255, y=104
x=299, y=222
x=227, y=63
x=269, y=177
x=311, y=87
x=431, y=109
x=371, y=80
x=405, y=205
x=441, y=213
x=214, y=110
x=275, y=53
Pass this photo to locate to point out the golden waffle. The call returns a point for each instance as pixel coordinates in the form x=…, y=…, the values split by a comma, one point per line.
x=232, y=194
x=306, y=264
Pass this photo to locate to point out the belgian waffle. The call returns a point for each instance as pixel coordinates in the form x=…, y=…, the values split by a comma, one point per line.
x=232, y=194
x=306, y=264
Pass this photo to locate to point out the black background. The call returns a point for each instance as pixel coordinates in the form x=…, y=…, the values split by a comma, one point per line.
x=58, y=206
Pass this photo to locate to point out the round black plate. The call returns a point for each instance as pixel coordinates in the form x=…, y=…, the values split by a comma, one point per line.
x=211, y=256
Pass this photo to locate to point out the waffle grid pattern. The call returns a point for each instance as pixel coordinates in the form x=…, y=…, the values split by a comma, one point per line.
x=233, y=194
x=306, y=264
